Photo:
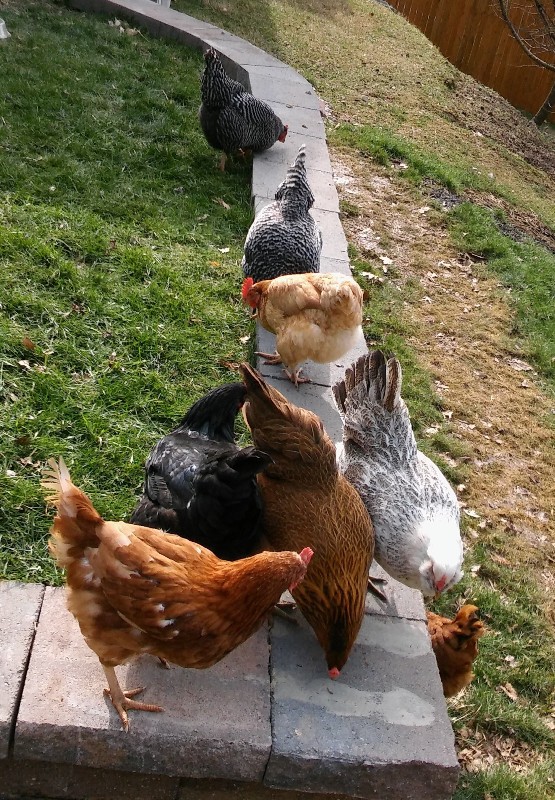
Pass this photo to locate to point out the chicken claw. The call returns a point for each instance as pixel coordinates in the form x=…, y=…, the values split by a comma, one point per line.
x=295, y=377
x=122, y=700
x=271, y=358
x=223, y=160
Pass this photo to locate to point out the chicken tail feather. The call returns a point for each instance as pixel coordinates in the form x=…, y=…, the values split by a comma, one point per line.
x=77, y=521
x=372, y=378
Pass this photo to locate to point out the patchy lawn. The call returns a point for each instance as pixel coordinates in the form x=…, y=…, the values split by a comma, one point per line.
x=120, y=244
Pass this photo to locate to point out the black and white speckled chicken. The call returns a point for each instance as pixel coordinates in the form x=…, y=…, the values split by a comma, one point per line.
x=284, y=239
x=232, y=119
x=200, y=485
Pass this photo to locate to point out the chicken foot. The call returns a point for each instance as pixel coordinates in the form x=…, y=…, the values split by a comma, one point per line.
x=122, y=700
x=272, y=359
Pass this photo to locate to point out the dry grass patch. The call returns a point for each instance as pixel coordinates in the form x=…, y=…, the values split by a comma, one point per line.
x=492, y=400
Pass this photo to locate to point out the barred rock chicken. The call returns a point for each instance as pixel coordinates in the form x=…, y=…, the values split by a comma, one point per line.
x=231, y=118
x=455, y=644
x=136, y=590
x=314, y=315
x=306, y=498
x=200, y=485
x=284, y=239
x=412, y=506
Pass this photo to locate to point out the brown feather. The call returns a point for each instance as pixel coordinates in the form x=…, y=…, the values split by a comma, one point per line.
x=455, y=644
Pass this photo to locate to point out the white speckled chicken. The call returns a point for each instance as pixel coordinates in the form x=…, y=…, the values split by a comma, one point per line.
x=232, y=119
x=412, y=506
x=284, y=239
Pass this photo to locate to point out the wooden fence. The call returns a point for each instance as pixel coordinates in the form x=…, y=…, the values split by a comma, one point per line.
x=474, y=37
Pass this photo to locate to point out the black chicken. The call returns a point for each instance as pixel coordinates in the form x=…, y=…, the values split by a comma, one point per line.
x=231, y=118
x=200, y=485
x=284, y=239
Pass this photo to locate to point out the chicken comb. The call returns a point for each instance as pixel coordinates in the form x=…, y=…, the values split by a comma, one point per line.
x=248, y=283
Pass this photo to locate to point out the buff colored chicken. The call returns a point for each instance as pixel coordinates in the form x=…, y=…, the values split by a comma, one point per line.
x=455, y=644
x=306, y=498
x=313, y=315
x=137, y=590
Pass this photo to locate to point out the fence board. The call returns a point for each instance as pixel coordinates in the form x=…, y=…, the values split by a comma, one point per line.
x=476, y=40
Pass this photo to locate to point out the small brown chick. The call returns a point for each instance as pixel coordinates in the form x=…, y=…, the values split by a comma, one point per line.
x=455, y=644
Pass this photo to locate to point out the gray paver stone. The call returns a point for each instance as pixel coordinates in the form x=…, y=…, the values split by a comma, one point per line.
x=381, y=729
x=19, y=610
x=216, y=722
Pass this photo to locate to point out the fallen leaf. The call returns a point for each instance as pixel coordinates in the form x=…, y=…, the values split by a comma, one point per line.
x=475, y=569
x=24, y=363
x=232, y=365
x=132, y=31
x=28, y=343
x=223, y=249
x=520, y=366
x=500, y=560
x=221, y=203
x=509, y=690
x=471, y=513
x=244, y=339
x=386, y=260
x=423, y=210
x=10, y=473
x=214, y=263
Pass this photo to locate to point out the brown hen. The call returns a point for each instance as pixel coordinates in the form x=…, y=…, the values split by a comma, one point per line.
x=306, y=499
x=455, y=644
x=137, y=590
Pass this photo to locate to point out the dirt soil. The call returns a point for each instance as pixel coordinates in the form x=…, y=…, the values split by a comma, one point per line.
x=482, y=110
x=493, y=399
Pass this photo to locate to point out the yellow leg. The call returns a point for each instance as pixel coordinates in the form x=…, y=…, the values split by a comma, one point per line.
x=121, y=700
x=223, y=159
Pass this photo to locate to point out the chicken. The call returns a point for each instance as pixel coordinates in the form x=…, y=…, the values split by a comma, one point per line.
x=305, y=498
x=231, y=118
x=284, y=239
x=314, y=315
x=200, y=485
x=136, y=590
x=455, y=644
x=412, y=506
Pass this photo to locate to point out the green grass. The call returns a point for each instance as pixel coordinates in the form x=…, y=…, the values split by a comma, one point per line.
x=526, y=268
x=116, y=303
x=386, y=147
